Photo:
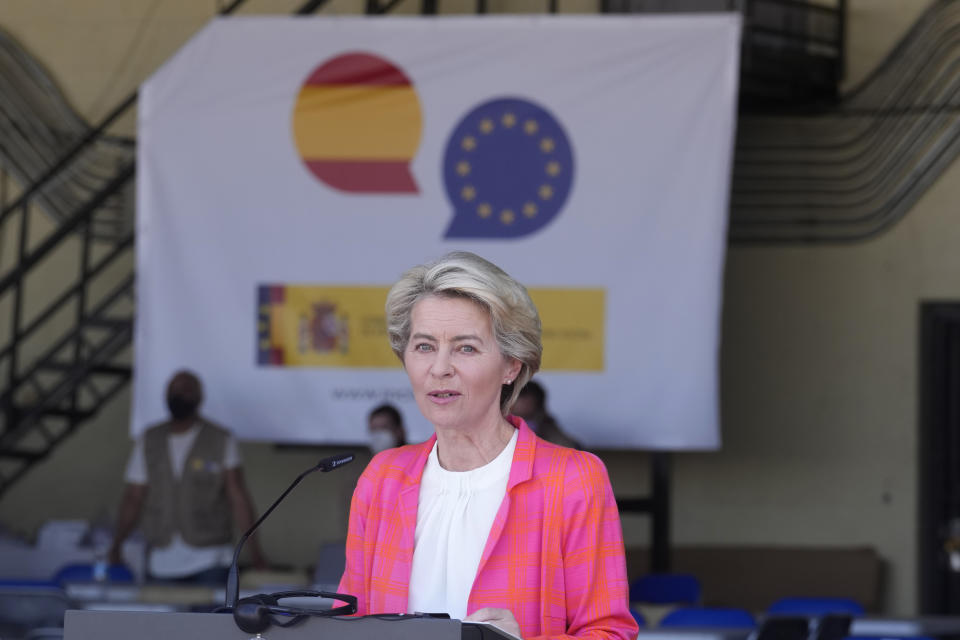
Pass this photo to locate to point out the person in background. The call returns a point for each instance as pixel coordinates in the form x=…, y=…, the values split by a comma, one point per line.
x=484, y=521
x=385, y=425
x=531, y=405
x=184, y=477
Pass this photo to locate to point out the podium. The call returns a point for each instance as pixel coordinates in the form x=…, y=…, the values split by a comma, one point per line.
x=120, y=625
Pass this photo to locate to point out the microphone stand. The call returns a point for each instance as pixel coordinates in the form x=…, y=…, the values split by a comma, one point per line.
x=232, y=595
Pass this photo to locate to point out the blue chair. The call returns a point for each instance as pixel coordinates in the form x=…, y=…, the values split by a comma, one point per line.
x=641, y=622
x=118, y=573
x=666, y=588
x=816, y=606
x=708, y=617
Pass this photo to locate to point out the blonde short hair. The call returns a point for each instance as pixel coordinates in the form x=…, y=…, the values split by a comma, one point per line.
x=460, y=274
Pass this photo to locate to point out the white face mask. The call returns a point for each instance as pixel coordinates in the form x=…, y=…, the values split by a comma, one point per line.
x=381, y=440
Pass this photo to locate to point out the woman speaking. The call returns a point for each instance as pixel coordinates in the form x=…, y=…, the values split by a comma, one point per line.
x=484, y=520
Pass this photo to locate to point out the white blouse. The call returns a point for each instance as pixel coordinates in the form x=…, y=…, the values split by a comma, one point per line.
x=454, y=517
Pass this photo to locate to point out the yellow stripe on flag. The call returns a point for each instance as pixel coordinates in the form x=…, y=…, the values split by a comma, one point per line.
x=357, y=122
x=319, y=326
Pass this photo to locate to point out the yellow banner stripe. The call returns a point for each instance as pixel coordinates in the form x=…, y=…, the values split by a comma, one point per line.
x=573, y=328
x=361, y=122
x=319, y=326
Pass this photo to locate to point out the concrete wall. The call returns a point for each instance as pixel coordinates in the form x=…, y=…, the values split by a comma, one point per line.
x=873, y=28
x=819, y=345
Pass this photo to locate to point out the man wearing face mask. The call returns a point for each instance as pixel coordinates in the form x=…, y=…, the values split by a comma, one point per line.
x=386, y=428
x=184, y=477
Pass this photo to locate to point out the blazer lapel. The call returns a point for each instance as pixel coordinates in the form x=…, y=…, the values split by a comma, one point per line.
x=521, y=470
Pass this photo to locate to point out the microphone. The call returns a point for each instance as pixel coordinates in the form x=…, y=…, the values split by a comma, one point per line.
x=331, y=463
x=233, y=576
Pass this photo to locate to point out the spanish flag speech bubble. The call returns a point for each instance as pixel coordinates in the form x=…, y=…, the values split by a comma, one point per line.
x=357, y=124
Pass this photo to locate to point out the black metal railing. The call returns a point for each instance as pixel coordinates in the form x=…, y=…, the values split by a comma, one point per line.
x=792, y=56
x=66, y=350
x=849, y=172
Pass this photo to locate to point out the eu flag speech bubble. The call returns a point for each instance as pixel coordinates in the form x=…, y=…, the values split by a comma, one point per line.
x=508, y=170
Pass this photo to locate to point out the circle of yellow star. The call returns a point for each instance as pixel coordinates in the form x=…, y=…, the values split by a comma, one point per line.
x=484, y=210
x=530, y=127
x=469, y=143
x=553, y=167
x=507, y=217
x=463, y=167
x=468, y=193
x=486, y=125
x=545, y=191
x=529, y=209
x=508, y=120
x=546, y=145
x=264, y=345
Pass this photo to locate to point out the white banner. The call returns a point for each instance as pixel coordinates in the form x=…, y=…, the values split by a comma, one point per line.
x=290, y=169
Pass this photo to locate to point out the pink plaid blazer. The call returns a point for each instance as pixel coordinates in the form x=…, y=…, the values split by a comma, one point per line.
x=554, y=556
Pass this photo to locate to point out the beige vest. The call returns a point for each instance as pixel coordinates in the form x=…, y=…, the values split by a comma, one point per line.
x=196, y=504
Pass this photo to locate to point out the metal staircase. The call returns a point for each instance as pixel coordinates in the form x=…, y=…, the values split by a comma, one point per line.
x=809, y=166
x=67, y=348
x=65, y=351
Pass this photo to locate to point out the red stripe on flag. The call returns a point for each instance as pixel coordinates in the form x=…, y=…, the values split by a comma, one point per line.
x=357, y=68
x=364, y=176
